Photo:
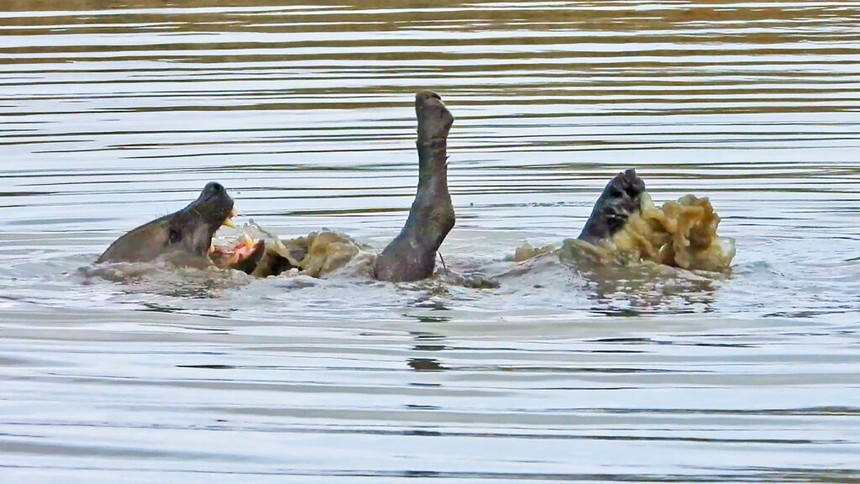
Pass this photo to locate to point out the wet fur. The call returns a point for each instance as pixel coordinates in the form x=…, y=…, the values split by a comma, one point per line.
x=412, y=254
x=619, y=200
x=182, y=238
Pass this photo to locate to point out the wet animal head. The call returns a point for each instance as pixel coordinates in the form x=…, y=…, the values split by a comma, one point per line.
x=619, y=200
x=183, y=237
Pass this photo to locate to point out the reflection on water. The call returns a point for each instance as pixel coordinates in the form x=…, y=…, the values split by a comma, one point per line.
x=114, y=112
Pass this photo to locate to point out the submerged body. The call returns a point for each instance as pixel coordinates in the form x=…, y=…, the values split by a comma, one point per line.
x=185, y=237
x=626, y=226
x=411, y=256
x=318, y=254
x=681, y=233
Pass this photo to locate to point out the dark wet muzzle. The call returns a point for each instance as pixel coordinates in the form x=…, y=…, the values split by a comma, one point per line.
x=619, y=200
x=214, y=204
x=213, y=190
x=632, y=184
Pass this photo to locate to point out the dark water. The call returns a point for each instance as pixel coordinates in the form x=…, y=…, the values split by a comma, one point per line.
x=113, y=113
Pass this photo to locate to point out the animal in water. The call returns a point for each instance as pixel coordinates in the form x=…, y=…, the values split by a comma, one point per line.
x=624, y=225
x=185, y=237
x=618, y=201
x=182, y=237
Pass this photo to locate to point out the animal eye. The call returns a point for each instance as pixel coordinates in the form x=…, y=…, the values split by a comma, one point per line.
x=173, y=236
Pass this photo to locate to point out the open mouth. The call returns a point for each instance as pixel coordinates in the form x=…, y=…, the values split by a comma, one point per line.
x=228, y=220
x=233, y=252
x=250, y=246
x=234, y=249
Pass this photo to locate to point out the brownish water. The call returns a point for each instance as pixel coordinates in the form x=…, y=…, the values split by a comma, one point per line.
x=115, y=112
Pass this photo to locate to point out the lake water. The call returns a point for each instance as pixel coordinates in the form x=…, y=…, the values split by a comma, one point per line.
x=115, y=112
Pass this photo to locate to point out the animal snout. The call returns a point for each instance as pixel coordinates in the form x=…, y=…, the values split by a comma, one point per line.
x=214, y=189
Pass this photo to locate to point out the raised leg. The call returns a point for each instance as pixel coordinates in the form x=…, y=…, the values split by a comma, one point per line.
x=619, y=200
x=412, y=254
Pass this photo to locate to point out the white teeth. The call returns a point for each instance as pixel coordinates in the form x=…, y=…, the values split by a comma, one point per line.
x=249, y=242
x=228, y=221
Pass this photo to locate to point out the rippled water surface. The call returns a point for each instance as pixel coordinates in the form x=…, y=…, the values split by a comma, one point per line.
x=115, y=112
